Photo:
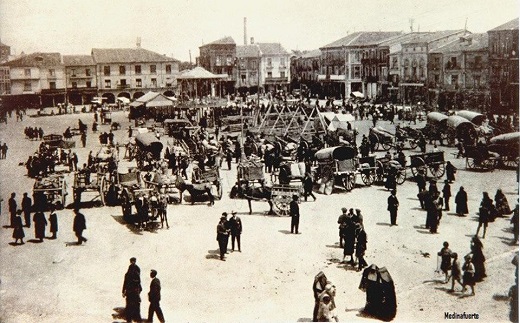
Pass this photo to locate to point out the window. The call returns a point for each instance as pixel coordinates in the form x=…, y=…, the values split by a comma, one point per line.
x=87, y=72
x=454, y=79
x=106, y=70
x=138, y=83
x=74, y=85
x=168, y=69
x=154, y=82
x=453, y=61
x=218, y=61
x=138, y=69
x=282, y=61
x=282, y=75
x=89, y=84
x=243, y=77
x=357, y=72
x=52, y=85
x=52, y=72
x=394, y=63
x=476, y=80
x=27, y=86
x=73, y=72
x=107, y=84
x=122, y=82
x=269, y=74
x=122, y=70
x=153, y=69
x=269, y=62
x=27, y=72
x=253, y=64
x=478, y=61
x=229, y=60
x=168, y=84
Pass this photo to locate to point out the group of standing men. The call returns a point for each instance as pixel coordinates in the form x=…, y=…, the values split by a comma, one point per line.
x=352, y=236
x=226, y=227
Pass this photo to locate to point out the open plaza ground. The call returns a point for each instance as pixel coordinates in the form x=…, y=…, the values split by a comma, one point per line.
x=272, y=278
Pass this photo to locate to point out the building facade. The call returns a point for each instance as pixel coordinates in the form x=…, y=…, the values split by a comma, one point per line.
x=5, y=52
x=218, y=57
x=305, y=69
x=80, y=76
x=275, y=72
x=503, y=61
x=353, y=64
x=36, y=80
x=248, y=68
x=131, y=72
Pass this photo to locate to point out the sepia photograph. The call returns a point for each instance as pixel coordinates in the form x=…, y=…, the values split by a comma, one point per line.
x=259, y=161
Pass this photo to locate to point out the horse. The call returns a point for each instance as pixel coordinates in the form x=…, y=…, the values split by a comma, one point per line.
x=249, y=192
x=196, y=189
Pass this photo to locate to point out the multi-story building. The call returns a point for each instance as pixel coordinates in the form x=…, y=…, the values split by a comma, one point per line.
x=413, y=60
x=80, y=74
x=305, y=69
x=5, y=52
x=343, y=64
x=503, y=61
x=130, y=72
x=218, y=57
x=37, y=79
x=248, y=67
x=275, y=72
x=5, y=80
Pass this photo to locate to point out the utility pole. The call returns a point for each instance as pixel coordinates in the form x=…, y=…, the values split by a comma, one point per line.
x=411, y=21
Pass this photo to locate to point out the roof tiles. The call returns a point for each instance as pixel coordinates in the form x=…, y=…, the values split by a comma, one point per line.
x=128, y=55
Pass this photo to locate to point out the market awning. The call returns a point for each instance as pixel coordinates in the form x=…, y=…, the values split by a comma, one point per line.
x=123, y=99
x=411, y=84
x=197, y=73
x=159, y=103
x=357, y=94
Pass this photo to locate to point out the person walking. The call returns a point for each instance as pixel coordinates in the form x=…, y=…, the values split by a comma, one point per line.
x=26, y=208
x=478, y=259
x=131, y=292
x=84, y=138
x=342, y=221
x=294, y=210
x=485, y=213
x=53, y=220
x=393, y=205
x=445, y=255
x=361, y=246
x=18, y=233
x=235, y=226
x=222, y=236
x=154, y=296
x=39, y=225
x=308, y=185
x=446, y=194
x=4, y=151
x=455, y=272
x=75, y=161
x=461, y=201
x=13, y=207
x=514, y=222
x=79, y=225
x=502, y=205
x=450, y=172
x=468, y=278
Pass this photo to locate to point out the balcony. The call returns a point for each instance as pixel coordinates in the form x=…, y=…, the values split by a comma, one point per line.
x=276, y=80
x=269, y=66
x=123, y=86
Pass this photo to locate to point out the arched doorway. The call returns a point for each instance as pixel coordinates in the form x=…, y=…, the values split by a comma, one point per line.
x=75, y=98
x=169, y=93
x=124, y=94
x=110, y=98
x=137, y=95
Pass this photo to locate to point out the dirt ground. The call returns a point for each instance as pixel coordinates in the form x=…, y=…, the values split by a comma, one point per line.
x=271, y=279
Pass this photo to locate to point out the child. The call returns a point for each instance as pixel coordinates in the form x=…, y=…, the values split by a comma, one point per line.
x=469, y=275
x=326, y=312
x=455, y=272
x=445, y=255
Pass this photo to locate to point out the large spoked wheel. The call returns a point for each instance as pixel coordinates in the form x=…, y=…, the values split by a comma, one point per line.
x=280, y=202
x=329, y=186
x=419, y=168
x=470, y=163
x=380, y=171
x=103, y=190
x=511, y=162
x=348, y=182
x=401, y=176
x=437, y=170
x=367, y=177
x=386, y=145
x=489, y=164
x=412, y=143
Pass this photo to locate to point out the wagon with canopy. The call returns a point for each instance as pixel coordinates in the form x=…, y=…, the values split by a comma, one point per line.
x=508, y=147
x=436, y=127
x=379, y=137
x=337, y=166
x=478, y=157
x=459, y=128
x=148, y=148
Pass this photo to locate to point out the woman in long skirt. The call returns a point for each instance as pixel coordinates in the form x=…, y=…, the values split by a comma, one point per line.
x=469, y=275
x=18, y=233
x=478, y=259
x=501, y=204
x=461, y=200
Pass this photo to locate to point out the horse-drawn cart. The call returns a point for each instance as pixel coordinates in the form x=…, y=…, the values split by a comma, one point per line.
x=388, y=167
x=508, y=147
x=282, y=195
x=480, y=158
x=434, y=161
x=51, y=189
x=336, y=167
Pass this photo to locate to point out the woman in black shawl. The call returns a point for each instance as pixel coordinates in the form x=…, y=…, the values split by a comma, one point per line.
x=478, y=259
x=461, y=200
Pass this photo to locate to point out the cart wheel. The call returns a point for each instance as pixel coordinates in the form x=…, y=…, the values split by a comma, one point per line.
x=437, y=170
x=489, y=164
x=420, y=167
x=386, y=145
x=510, y=162
x=401, y=176
x=376, y=146
x=470, y=163
x=346, y=181
x=412, y=143
x=329, y=185
x=281, y=204
x=103, y=189
x=380, y=171
x=367, y=178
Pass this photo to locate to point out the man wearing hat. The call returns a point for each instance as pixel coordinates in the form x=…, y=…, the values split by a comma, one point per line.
x=342, y=221
x=222, y=236
x=393, y=204
x=154, y=296
x=446, y=193
x=294, y=210
x=131, y=291
x=235, y=226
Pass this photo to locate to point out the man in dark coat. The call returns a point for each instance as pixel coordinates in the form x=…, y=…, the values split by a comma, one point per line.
x=421, y=181
x=79, y=225
x=308, y=185
x=446, y=194
x=461, y=201
x=342, y=221
x=131, y=290
x=26, y=208
x=393, y=205
x=350, y=240
x=39, y=225
x=361, y=246
x=235, y=226
x=53, y=220
x=450, y=172
x=222, y=236
x=294, y=210
x=154, y=296
x=12, y=209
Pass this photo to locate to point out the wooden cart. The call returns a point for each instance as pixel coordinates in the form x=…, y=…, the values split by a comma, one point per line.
x=54, y=188
x=433, y=161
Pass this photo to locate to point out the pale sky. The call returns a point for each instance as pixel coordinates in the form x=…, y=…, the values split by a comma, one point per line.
x=174, y=27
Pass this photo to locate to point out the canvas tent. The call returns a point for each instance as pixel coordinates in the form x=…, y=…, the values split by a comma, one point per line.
x=333, y=121
x=198, y=77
